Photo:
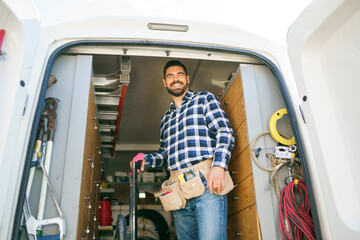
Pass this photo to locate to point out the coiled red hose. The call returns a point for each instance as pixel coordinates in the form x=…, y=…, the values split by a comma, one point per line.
x=294, y=218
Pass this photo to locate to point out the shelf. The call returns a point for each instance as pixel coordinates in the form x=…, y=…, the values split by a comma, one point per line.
x=138, y=183
x=150, y=187
x=107, y=192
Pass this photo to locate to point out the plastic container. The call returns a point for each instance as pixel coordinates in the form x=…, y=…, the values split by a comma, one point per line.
x=105, y=213
x=110, y=178
x=121, y=177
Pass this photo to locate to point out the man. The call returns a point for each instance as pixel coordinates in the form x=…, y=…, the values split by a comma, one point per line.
x=195, y=130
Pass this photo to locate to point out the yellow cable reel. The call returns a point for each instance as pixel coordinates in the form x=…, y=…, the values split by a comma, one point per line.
x=274, y=132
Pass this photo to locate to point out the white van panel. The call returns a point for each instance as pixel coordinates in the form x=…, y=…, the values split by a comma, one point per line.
x=21, y=31
x=324, y=50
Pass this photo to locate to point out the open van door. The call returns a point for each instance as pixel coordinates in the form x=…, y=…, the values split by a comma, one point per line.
x=20, y=27
x=324, y=52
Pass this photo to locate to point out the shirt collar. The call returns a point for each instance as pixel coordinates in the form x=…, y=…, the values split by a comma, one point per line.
x=188, y=96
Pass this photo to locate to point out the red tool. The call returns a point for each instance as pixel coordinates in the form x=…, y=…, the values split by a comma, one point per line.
x=2, y=35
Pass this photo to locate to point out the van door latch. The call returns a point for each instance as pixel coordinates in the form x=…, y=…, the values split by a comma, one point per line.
x=25, y=104
x=302, y=113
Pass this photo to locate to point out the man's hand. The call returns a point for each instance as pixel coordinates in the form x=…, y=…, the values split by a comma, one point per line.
x=139, y=158
x=216, y=179
x=142, y=167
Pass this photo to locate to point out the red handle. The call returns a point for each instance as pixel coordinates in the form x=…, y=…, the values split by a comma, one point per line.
x=137, y=160
x=139, y=157
x=2, y=34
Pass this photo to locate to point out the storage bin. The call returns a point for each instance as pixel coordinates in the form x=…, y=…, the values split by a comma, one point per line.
x=121, y=177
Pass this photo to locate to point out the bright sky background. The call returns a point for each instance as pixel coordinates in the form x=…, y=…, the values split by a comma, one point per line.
x=268, y=18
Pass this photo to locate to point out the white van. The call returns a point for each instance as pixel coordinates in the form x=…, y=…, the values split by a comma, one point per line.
x=106, y=72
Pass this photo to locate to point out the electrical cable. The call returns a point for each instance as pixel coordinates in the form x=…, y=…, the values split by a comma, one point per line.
x=294, y=217
x=295, y=220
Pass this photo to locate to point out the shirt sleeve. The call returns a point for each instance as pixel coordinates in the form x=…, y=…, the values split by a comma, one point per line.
x=156, y=159
x=220, y=128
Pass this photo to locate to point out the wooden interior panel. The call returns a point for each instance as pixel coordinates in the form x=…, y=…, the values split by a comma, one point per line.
x=244, y=225
x=240, y=167
x=242, y=196
x=89, y=193
x=242, y=221
x=233, y=95
x=237, y=115
x=241, y=140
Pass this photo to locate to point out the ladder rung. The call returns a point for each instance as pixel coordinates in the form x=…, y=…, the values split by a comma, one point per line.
x=108, y=101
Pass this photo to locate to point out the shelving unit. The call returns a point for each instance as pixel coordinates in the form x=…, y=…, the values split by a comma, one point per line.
x=107, y=192
x=145, y=187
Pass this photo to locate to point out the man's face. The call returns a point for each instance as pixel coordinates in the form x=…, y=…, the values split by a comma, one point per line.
x=176, y=81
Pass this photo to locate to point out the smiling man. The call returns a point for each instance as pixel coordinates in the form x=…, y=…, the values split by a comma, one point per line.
x=176, y=81
x=196, y=136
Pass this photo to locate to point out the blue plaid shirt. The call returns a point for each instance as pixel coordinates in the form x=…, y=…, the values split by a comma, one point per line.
x=195, y=131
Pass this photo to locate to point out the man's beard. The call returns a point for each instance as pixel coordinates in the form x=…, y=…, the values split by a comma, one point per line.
x=178, y=92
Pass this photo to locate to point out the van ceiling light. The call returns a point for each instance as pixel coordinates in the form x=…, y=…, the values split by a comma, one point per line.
x=168, y=27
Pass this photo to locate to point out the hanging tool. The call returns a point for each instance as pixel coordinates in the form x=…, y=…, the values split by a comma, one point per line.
x=42, y=158
x=40, y=142
x=273, y=130
x=50, y=113
x=36, y=155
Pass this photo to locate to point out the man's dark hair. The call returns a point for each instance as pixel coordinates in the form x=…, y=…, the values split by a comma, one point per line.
x=173, y=63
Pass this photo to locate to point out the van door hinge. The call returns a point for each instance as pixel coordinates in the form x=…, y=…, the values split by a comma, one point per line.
x=25, y=105
x=302, y=113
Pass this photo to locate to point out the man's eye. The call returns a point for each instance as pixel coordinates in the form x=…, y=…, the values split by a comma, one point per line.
x=181, y=74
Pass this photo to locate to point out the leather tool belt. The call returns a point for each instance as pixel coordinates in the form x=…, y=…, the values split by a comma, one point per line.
x=186, y=183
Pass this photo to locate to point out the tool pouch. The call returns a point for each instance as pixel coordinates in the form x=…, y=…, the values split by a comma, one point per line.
x=192, y=188
x=171, y=199
x=173, y=194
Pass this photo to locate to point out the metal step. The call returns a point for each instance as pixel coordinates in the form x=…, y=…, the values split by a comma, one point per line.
x=107, y=101
x=107, y=115
x=106, y=139
x=106, y=128
x=108, y=89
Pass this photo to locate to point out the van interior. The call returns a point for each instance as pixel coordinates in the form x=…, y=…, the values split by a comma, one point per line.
x=110, y=100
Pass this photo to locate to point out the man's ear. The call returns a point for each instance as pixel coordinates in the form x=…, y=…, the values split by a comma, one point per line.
x=188, y=79
x=164, y=81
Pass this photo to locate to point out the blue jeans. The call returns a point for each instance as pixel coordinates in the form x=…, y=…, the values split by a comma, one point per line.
x=203, y=218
